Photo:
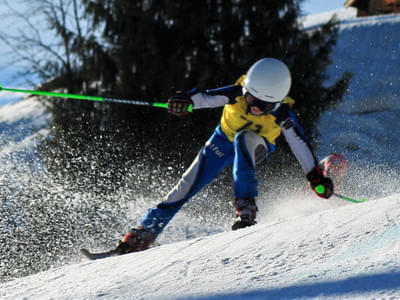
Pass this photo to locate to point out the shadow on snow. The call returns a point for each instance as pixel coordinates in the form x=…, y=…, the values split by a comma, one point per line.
x=359, y=285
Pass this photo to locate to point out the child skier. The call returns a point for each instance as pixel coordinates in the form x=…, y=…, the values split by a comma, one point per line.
x=256, y=111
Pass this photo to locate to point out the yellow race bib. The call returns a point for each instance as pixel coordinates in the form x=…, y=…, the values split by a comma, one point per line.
x=236, y=118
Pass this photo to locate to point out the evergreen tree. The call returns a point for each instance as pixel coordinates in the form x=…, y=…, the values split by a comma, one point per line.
x=159, y=44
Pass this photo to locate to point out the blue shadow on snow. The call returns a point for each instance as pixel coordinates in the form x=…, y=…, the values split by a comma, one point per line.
x=360, y=284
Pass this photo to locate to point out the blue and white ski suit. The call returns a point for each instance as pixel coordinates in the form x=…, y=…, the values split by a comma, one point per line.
x=242, y=139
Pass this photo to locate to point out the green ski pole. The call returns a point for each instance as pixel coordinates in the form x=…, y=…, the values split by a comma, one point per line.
x=320, y=189
x=91, y=98
x=350, y=199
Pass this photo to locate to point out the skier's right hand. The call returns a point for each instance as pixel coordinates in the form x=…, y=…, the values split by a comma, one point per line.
x=321, y=185
x=178, y=104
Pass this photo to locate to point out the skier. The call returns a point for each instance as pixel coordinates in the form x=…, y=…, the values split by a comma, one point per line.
x=256, y=111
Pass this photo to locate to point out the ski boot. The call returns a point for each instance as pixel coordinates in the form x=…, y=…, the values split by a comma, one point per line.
x=246, y=211
x=137, y=239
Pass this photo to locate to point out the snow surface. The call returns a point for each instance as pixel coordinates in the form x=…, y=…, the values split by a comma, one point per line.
x=351, y=252
x=303, y=247
x=23, y=125
x=365, y=126
x=343, y=14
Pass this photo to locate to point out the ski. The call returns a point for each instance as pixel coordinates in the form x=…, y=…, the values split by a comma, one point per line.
x=99, y=255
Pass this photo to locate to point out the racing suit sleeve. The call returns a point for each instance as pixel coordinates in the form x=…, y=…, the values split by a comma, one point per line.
x=295, y=137
x=215, y=97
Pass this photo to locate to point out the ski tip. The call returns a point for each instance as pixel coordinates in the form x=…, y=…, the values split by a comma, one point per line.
x=86, y=253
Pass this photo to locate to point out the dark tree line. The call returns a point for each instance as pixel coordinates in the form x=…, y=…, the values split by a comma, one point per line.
x=146, y=49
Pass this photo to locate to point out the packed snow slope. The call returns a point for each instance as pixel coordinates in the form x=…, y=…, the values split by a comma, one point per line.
x=364, y=126
x=351, y=252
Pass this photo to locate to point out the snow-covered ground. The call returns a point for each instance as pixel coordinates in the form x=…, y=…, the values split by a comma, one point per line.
x=22, y=125
x=365, y=125
x=303, y=247
x=351, y=252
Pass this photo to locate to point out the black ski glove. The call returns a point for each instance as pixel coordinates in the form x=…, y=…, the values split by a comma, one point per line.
x=178, y=104
x=321, y=185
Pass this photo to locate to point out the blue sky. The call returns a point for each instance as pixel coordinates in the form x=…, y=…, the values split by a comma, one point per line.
x=318, y=6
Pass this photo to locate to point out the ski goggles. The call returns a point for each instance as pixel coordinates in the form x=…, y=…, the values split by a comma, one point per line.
x=260, y=104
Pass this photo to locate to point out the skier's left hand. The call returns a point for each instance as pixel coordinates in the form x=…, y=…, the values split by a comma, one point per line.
x=321, y=185
x=178, y=104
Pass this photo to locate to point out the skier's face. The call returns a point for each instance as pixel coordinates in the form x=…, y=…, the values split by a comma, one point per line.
x=258, y=107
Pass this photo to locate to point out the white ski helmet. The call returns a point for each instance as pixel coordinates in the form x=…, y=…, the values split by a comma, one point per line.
x=268, y=80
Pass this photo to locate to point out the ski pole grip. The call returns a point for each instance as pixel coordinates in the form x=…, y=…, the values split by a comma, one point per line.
x=320, y=189
x=165, y=105
x=160, y=104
